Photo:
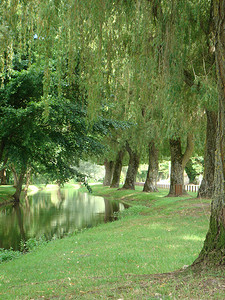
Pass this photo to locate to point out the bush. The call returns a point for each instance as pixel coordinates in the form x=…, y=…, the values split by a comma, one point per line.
x=6, y=255
x=32, y=243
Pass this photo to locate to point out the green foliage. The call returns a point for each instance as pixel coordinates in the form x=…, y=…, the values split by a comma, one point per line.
x=194, y=167
x=164, y=169
x=51, y=144
x=32, y=243
x=6, y=255
x=25, y=246
x=141, y=175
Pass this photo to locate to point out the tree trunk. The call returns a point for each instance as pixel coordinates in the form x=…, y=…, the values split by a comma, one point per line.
x=28, y=177
x=213, y=251
x=207, y=184
x=15, y=177
x=117, y=170
x=109, y=167
x=152, y=174
x=2, y=147
x=3, y=179
x=17, y=194
x=178, y=162
x=132, y=169
x=4, y=157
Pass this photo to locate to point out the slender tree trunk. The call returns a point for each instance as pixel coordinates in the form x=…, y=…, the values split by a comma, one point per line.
x=178, y=162
x=28, y=178
x=152, y=174
x=17, y=194
x=109, y=167
x=117, y=170
x=213, y=251
x=2, y=147
x=3, y=179
x=132, y=169
x=15, y=177
x=207, y=184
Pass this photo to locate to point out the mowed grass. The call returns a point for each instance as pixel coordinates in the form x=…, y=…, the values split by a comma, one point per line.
x=131, y=258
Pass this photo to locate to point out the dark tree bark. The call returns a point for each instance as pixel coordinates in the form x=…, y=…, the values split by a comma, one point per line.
x=3, y=179
x=117, y=170
x=207, y=185
x=178, y=163
x=132, y=169
x=109, y=167
x=152, y=174
x=213, y=251
x=2, y=147
x=4, y=158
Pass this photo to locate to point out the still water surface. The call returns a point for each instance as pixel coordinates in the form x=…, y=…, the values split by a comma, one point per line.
x=53, y=213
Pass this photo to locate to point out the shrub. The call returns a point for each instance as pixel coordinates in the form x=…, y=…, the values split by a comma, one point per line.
x=6, y=255
x=32, y=243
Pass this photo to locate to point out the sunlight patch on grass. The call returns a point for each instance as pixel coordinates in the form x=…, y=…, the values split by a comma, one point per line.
x=193, y=238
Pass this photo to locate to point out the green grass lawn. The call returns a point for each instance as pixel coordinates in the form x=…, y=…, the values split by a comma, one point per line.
x=132, y=258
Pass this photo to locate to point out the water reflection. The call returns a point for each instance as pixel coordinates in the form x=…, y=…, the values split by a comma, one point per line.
x=53, y=213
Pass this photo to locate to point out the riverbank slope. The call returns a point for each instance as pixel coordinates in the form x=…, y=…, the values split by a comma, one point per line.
x=135, y=257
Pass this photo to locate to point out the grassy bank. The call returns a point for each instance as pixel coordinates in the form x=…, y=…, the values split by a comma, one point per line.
x=6, y=193
x=131, y=258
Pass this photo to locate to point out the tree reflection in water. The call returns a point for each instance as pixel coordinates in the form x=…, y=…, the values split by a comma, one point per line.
x=53, y=213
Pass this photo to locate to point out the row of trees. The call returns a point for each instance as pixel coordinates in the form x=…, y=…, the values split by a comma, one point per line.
x=170, y=91
x=145, y=66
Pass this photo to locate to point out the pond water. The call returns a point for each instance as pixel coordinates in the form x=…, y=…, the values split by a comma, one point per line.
x=53, y=213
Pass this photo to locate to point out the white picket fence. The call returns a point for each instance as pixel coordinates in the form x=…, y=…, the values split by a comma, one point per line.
x=188, y=187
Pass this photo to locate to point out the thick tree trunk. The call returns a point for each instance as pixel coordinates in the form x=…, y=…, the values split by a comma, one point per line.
x=132, y=169
x=176, y=176
x=178, y=162
x=109, y=167
x=207, y=184
x=152, y=174
x=117, y=170
x=213, y=251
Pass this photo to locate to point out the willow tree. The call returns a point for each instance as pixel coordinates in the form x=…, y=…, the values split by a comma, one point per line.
x=214, y=246
x=182, y=43
x=206, y=77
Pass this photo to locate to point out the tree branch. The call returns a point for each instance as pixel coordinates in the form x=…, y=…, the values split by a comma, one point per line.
x=189, y=149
